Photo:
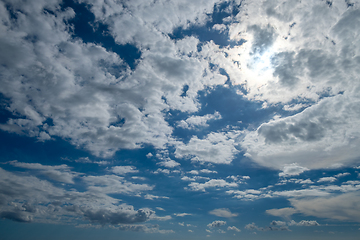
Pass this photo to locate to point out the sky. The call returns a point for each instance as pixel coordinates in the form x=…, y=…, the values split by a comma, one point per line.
x=179, y=119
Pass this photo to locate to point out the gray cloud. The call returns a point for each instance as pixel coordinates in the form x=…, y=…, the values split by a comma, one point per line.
x=127, y=216
x=216, y=224
x=223, y=212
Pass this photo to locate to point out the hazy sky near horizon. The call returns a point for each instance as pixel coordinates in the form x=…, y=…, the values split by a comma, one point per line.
x=174, y=119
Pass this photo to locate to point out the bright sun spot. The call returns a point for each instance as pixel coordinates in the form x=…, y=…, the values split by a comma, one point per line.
x=261, y=63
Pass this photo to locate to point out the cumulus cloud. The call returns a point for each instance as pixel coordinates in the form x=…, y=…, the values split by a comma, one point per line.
x=195, y=186
x=223, y=212
x=27, y=198
x=254, y=227
x=343, y=207
x=304, y=223
x=169, y=163
x=60, y=173
x=198, y=121
x=233, y=228
x=216, y=224
x=122, y=170
x=292, y=170
x=89, y=94
x=182, y=214
x=296, y=67
x=217, y=148
x=327, y=179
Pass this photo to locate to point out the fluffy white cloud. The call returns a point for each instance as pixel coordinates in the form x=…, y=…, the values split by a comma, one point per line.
x=304, y=223
x=60, y=173
x=195, y=186
x=223, y=212
x=113, y=184
x=182, y=214
x=292, y=170
x=27, y=198
x=233, y=228
x=122, y=170
x=343, y=207
x=253, y=226
x=169, y=163
x=327, y=179
x=217, y=148
x=198, y=121
x=285, y=60
x=60, y=86
x=216, y=224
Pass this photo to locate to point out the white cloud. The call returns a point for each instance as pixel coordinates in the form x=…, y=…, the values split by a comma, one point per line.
x=152, y=197
x=254, y=227
x=282, y=212
x=198, y=121
x=169, y=163
x=194, y=172
x=60, y=173
x=160, y=170
x=78, y=86
x=327, y=179
x=122, y=170
x=216, y=224
x=292, y=170
x=217, y=148
x=342, y=174
x=182, y=214
x=26, y=198
x=343, y=207
x=223, y=212
x=207, y=171
x=113, y=184
x=299, y=67
x=304, y=223
x=233, y=228
x=195, y=186
x=277, y=223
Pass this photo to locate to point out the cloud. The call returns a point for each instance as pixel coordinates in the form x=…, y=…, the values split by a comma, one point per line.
x=253, y=226
x=182, y=214
x=169, y=163
x=277, y=223
x=114, y=184
x=122, y=170
x=194, y=186
x=152, y=197
x=198, y=121
x=282, y=212
x=223, y=212
x=217, y=148
x=93, y=98
x=299, y=68
x=216, y=224
x=233, y=228
x=327, y=179
x=207, y=171
x=29, y=199
x=60, y=173
x=292, y=170
x=343, y=207
x=342, y=175
x=122, y=216
x=304, y=223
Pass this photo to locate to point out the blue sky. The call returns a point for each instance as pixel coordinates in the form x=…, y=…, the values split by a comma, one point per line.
x=179, y=119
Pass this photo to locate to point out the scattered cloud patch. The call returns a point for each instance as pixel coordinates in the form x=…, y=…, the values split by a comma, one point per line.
x=223, y=212
x=216, y=224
